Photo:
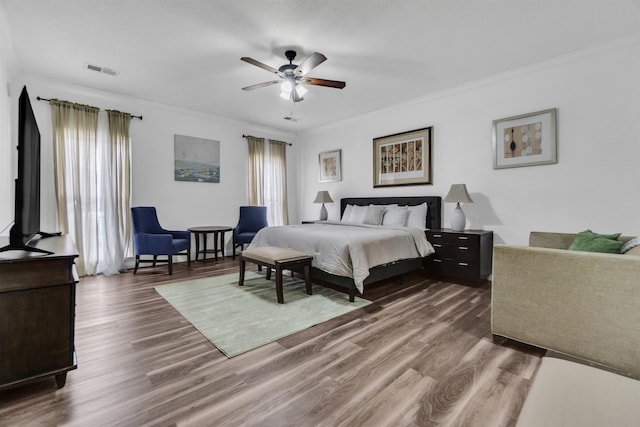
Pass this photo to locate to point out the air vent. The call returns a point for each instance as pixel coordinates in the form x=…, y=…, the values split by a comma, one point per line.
x=100, y=69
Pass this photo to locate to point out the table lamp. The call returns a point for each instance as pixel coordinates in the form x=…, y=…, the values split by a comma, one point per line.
x=458, y=194
x=323, y=197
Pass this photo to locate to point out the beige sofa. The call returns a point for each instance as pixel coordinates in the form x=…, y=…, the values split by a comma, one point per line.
x=583, y=305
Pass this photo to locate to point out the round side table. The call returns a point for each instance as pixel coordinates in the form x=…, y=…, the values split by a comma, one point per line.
x=218, y=236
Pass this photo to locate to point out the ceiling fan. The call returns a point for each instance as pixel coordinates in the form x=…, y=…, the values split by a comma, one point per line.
x=293, y=77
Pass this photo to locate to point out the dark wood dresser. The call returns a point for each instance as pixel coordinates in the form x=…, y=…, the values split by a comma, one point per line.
x=463, y=254
x=37, y=312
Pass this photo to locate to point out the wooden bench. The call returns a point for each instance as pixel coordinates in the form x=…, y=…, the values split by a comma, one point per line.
x=279, y=259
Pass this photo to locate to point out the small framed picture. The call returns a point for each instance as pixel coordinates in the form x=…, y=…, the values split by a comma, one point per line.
x=525, y=140
x=330, y=166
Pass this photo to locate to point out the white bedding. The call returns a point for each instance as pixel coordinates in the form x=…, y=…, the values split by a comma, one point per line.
x=345, y=249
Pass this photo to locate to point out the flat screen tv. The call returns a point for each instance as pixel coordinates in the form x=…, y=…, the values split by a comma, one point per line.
x=27, y=191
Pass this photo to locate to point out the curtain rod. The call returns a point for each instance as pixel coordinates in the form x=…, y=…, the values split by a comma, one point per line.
x=45, y=99
x=282, y=142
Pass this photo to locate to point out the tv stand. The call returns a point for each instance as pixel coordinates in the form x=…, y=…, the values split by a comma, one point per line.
x=27, y=248
x=37, y=312
x=45, y=234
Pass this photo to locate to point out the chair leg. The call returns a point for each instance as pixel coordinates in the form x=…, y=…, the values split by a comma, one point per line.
x=135, y=269
x=170, y=264
x=243, y=265
x=307, y=279
x=279, y=290
x=155, y=258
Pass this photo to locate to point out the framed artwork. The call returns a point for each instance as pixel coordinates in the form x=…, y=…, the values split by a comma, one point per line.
x=403, y=159
x=196, y=159
x=525, y=140
x=330, y=166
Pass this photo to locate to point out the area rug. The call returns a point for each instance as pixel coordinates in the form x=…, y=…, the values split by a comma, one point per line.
x=237, y=319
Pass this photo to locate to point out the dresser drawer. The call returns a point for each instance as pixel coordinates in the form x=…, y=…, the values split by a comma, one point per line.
x=453, y=239
x=454, y=268
x=459, y=251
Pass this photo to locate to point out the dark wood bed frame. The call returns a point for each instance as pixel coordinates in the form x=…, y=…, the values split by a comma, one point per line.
x=381, y=272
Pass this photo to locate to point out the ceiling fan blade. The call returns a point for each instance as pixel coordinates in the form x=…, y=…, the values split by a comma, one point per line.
x=322, y=82
x=259, y=85
x=261, y=65
x=309, y=64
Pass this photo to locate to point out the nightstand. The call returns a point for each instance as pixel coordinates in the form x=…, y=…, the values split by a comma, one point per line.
x=463, y=254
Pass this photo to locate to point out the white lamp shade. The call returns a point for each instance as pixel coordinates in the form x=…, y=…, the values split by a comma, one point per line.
x=458, y=194
x=323, y=197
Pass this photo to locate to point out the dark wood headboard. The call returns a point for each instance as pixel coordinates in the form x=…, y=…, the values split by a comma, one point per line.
x=434, y=213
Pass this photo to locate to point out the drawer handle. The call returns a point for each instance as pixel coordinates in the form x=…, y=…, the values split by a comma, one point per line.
x=463, y=264
x=463, y=238
x=437, y=260
x=463, y=248
x=437, y=235
x=435, y=245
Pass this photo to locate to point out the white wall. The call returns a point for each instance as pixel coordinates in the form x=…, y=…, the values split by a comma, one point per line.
x=593, y=185
x=7, y=145
x=180, y=204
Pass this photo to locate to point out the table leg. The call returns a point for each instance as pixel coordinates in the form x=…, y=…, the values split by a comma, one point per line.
x=222, y=243
x=215, y=245
x=197, y=237
x=204, y=244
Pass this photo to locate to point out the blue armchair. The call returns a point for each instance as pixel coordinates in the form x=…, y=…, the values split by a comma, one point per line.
x=149, y=238
x=252, y=219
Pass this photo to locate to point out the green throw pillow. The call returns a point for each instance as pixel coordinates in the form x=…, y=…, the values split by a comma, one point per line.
x=588, y=241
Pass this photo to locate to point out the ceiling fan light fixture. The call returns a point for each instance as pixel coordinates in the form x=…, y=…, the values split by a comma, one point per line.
x=285, y=95
x=286, y=87
x=301, y=90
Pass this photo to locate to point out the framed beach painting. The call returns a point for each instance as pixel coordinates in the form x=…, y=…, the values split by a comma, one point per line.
x=196, y=159
x=525, y=140
x=403, y=159
x=330, y=163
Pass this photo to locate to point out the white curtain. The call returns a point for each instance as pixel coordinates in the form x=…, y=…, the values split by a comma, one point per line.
x=256, y=170
x=114, y=187
x=268, y=178
x=275, y=192
x=88, y=192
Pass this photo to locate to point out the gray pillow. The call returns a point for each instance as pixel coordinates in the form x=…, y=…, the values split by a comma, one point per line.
x=374, y=215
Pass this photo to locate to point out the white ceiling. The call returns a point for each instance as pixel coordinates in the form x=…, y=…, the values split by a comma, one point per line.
x=187, y=52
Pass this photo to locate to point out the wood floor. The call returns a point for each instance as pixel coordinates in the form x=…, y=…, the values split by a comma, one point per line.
x=420, y=355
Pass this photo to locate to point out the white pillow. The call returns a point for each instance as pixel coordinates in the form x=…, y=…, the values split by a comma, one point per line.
x=374, y=215
x=346, y=215
x=396, y=216
x=387, y=207
x=358, y=213
x=417, y=216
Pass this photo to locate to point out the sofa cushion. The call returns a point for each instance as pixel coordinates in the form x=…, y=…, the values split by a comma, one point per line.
x=588, y=241
x=569, y=394
x=635, y=251
x=633, y=243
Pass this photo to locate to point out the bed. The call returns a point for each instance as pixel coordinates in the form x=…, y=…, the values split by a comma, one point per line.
x=365, y=264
